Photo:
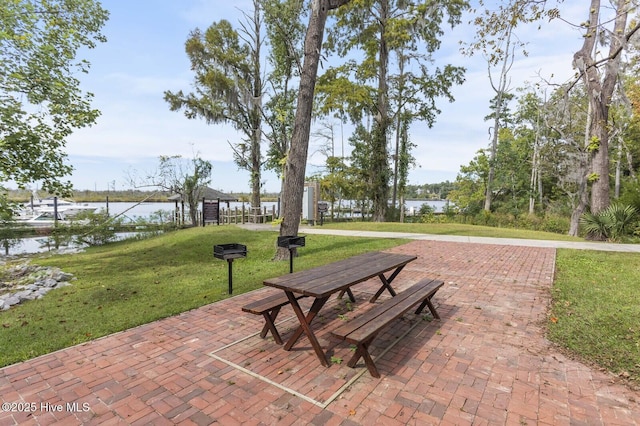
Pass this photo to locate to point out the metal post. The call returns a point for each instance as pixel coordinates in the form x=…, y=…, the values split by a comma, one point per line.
x=55, y=211
x=291, y=260
x=204, y=200
x=230, y=262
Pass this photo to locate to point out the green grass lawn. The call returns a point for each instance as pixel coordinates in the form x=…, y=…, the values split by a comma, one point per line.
x=596, y=309
x=595, y=313
x=452, y=229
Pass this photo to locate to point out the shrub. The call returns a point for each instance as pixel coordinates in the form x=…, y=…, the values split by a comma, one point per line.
x=426, y=209
x=450, y=210
x=613, y=223
x=555, y=223
x=529, y=221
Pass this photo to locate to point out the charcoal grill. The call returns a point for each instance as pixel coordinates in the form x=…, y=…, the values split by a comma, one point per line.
x=229, y=252
x=291, y=242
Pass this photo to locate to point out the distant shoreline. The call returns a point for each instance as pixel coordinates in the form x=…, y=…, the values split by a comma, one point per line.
x=128, y=196
x=87, y=196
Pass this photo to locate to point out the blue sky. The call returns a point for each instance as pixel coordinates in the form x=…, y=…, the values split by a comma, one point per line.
x=144, y=56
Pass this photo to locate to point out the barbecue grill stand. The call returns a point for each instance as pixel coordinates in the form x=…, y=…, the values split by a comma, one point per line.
x=291, y=242
x=229, y=252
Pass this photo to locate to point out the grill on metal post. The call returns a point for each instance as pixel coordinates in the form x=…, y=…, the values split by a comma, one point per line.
x=229, y=252
x=290, y=242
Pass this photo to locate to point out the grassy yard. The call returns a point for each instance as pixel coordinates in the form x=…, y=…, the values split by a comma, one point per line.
x=596, y=309
x=453, y=229
x=595, y=313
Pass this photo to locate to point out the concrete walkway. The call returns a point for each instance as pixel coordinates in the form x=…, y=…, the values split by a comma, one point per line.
x=486, y=362
x=577, y=245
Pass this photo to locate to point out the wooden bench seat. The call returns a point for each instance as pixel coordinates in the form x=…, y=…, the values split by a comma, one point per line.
x=269, y=307
x=362, y=330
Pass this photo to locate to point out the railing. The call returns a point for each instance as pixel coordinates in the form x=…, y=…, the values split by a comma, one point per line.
x=247, y=215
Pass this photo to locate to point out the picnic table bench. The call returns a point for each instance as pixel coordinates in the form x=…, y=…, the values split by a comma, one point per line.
x=362, y=330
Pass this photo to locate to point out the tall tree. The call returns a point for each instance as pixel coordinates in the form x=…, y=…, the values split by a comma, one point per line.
x=566, y=119
x=631, y=140
x=404, y=160
x=500, y=115
x=285, y=34
x=359, y=174
x=376, y=28
x=530, y=125
x=600, y=87
x=333, y=182
x=41, y=102
x=621, y=122
x=297, y=159
x=228, y=87
x=587, y=60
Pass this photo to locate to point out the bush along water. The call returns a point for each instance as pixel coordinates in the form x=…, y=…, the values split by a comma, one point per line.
x=98, y=228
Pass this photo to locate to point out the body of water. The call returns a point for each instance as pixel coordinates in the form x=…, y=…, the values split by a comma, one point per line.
x=145, y=210
x=133, y=211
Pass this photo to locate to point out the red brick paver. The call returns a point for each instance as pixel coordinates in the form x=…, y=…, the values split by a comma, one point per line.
x=486, y=362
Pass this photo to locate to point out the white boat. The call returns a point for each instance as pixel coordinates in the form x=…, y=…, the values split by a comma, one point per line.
x=45, y=211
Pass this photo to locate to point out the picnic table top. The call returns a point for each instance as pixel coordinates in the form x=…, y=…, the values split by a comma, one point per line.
x=322, y=281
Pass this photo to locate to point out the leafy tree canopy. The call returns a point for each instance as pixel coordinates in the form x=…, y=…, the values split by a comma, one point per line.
x=228, y=87
x=41, y=102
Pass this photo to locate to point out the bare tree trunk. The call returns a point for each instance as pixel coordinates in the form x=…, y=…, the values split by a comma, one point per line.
x=396, y=158
x=535, y=186
x=600, y=93
x=540, y=188
x=380, y=163
x=500, y=91
x=535, y=175
x=630, y=166
x=295, y=167
x=583, y=191
x=582, y=197
x=618, y=172
x=256, y=113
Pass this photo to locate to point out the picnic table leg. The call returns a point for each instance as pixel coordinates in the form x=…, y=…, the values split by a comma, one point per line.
x=362, y=351
x=349, y=292
x=427, y=302
x=269, y=319
x=386, y=284
x=305, y=322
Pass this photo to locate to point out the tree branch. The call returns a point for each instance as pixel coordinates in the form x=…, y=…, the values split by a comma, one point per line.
x=612, y=56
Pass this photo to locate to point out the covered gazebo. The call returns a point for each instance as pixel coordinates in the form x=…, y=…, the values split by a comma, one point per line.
x=210, y=199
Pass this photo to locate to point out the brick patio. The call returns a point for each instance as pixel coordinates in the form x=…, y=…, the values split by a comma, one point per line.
x=485, y=363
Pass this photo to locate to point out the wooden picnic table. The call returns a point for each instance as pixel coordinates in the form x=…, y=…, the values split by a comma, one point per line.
x=323, y=281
